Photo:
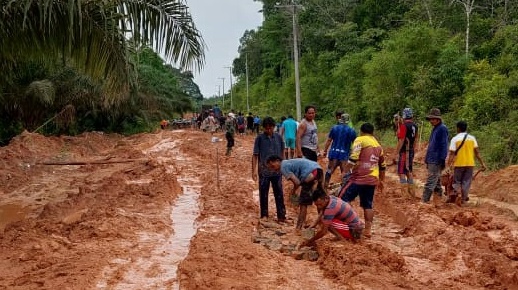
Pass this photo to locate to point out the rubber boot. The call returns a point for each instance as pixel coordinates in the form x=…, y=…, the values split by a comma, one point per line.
x=367, y=231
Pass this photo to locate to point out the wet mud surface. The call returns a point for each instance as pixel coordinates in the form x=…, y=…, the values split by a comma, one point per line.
x=165, y=220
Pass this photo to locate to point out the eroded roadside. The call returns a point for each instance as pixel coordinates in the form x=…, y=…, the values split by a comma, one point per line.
x=114, y=226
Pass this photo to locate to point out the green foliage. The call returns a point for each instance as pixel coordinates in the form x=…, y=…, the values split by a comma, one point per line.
x=373, y=58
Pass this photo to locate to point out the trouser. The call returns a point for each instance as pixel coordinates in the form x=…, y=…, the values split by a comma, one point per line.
x=309, y=154
x=433, y=182
x=264, y=188
x=462, y=177
x=230, y=139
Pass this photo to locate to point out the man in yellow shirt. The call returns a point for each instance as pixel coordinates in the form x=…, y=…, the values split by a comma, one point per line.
x=367, y=163
x=463, y=151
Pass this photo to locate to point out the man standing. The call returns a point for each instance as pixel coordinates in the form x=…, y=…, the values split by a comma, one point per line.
x=463, y=150
x=341, y=137
x=435, y=157
x=210, y=123
x=307, y=138
x=230, y=128
x=368, y=171
x=241, y=123
x=301, y=172
x=267, y=145
x=250, y=122
x=257, y=122
x=289, y=133
x=338, y=217
x=406, y=135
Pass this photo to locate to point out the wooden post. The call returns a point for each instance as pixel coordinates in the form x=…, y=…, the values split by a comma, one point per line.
x=217, y=168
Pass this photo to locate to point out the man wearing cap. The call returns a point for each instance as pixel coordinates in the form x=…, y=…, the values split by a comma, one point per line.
x=230, y=130
x=435, y=157
x=406, y=135
x=340, y=139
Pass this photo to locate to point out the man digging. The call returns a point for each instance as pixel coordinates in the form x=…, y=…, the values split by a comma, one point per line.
x=338, y=217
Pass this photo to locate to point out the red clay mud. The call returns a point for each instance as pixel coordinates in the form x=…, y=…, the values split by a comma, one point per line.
x=93, y=226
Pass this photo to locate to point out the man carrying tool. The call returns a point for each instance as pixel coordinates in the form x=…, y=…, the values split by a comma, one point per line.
x=406, y=135
x=463, y=151
x=340, y=139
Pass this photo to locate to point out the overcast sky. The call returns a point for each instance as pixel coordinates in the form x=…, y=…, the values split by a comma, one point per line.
x=222, y=23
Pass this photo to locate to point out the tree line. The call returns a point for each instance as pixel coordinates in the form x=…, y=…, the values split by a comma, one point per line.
x=375, y=57
x=70, y=66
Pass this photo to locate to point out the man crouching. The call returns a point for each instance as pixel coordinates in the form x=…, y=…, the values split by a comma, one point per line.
x=337, y=216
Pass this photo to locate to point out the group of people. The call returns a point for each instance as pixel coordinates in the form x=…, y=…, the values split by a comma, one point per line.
x=443, y=157
x=294, y=151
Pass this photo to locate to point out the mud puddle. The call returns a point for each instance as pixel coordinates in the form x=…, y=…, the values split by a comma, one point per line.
x=160, y=253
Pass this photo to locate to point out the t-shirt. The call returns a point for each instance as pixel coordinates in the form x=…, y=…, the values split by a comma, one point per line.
x=408, y=131
x=266, y=146
x=240, y=120
x=230, y=126
x=343, y=211
x=368, y=156
x=466, y=154
x=250, y=121
x=290, y=128
x=300, y=167
x=343, y=137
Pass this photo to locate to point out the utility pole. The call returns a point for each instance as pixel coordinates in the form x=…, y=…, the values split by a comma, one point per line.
x=247, y=95
x=223, y=79
x=230, y=75
x=293, y=9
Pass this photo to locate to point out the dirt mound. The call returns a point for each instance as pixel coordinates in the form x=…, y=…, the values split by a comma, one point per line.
x=499, y=185
x=76, y=217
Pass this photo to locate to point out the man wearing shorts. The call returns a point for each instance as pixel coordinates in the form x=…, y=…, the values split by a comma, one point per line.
x=338, y=217
x=303, y=173
x=340, y=139
x=289, y=132
x=368, y=171
x=406, y=135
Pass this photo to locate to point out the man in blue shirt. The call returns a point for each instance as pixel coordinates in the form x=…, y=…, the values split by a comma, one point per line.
x=301, y=172
x=435, y=157
x=340, y=139
x=257, y=122
x=289, y=133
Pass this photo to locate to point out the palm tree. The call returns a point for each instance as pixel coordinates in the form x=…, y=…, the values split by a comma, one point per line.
x=92, y=36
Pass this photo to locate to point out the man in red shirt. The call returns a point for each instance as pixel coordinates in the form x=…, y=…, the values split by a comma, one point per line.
x=405, y=149
x=337, y=216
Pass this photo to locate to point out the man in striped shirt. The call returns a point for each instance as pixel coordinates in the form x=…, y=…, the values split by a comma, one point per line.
x=337, y=216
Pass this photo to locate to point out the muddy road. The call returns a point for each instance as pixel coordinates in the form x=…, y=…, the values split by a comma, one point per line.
x=149, y=212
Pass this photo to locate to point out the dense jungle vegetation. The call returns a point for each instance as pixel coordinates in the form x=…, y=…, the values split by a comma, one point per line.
x=70, y=66
x=375, y=57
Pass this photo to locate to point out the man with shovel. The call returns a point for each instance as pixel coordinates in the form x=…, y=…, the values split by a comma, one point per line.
x=463, y=151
